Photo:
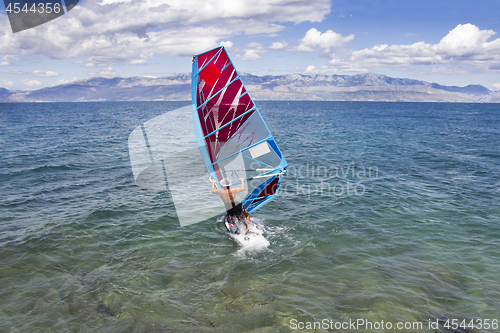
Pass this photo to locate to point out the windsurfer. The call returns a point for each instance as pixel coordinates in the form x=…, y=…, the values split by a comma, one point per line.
x=235, y=210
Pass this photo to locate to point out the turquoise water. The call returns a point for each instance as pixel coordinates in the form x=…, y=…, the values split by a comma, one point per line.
x=389, y=212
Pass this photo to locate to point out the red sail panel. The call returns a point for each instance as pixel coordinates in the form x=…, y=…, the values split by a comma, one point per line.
x=213, y=147
x=271, y=188
x=228, y=75
x=205, y=57
x=257, y=200
x=217, y=140
x=222, y=60
x=224, y=108
x=228, y=131
x=210, y=74
x=207, y=91
x=223, y=101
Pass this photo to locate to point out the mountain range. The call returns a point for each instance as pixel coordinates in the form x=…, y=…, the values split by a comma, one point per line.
x=177, y=87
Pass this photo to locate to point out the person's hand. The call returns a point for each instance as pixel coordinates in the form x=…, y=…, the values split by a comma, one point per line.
x=242, y=179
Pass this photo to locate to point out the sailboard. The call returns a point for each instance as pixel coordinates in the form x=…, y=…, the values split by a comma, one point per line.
x=233, y=139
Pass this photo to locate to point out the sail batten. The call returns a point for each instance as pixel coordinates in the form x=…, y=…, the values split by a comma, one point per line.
x=217, y=94
x=233, y=138
x=252, y=109
x=234, y=154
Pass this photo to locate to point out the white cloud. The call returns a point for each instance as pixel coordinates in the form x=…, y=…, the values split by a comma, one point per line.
x=253, y=52
x=111, y=2
x=108, y=72
x=45, y=74
x=496, y=86
x=278, y=45
x=465, y=45
x=8, y=59
x=227, y=44
x=464, y=40
x=36, y=72
x=7, y=83
x=31, y=83
x=314, y=40
x=251, y=55
x=310, y=69
x=111, y=31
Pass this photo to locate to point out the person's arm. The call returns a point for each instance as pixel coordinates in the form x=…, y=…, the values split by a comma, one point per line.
x=241, y=188
x=214, y=190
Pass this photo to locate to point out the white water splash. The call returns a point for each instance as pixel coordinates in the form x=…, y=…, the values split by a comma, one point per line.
x=254, y=240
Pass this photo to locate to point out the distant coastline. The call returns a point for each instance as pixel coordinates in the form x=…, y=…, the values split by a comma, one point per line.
x=177, y=87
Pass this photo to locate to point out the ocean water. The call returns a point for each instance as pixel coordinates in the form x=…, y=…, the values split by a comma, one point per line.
x=389, y=215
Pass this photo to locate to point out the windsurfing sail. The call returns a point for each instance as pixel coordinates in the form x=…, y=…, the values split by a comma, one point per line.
x=233, y=138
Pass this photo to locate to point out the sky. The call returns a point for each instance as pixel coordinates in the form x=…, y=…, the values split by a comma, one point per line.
x=446, y=42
